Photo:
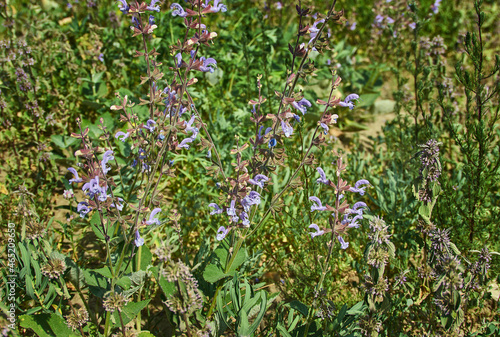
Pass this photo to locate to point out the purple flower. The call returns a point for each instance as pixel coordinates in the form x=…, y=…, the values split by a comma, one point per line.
x=92, y=186
x=123, y=135
x=355, y=210
x=136, y=23
x=412, y=25
x=287, y=128
x=351, y=222
x=318, y=206
x=138, y=240
x=357, y=187
x=296, y=117
x=355, y=207
x=302, y=105
x=189, y=126
x=178, y=10
x=379, y=18
x=435, y=6
x=152, y=219
x=353, y=26
x=151, y=20
x=325, y=127
x=259, y=180
x=101, y=57
x=323, y=177
x=221, y=233
x=272, y=142
x=178, y=56
x=83, y=209
x=318, y=231
x=217, y=209
x=217, y=7
x=102, y=193
x=184, y=142
x=343, y=244
x=207, y=64
x=278, y=5
x=76, y=179
x=390, y=20
x=118, y=204
x=142, y=154
x=347, y=101
x=314, y=30
x=123, y=6
x=152, y=6
x=150, y=125
x=231, y=211
x=244, y=219
x=253, y=198
x=265, y=133
x=108, y=155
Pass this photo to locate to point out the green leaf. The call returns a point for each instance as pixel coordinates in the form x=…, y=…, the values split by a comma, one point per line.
x=213, y=273
x=104, y=271
x=95, y=223
x=46, y=325
x=300, y=307
x=283, y=330
x=146, y=334
x=168, y=288
x=238, y=260
x=130, y=311
x=29, y=287
x=342, y=313
x=260, y=316
x=97, y=283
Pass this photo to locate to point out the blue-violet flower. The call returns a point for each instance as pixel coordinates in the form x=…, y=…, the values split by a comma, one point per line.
x=152, y=219
x=318, y=231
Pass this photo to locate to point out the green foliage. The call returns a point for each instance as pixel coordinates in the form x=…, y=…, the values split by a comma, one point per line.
x=65, y=75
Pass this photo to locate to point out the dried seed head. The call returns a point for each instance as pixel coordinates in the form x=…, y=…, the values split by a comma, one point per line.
x=129, y=332
x=114, y=301
x=53, y=268
x=76, y=320
x=35, y=230
x=187, y=298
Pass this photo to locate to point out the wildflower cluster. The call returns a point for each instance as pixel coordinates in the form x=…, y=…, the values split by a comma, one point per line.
x=114, y=301
x=77, y=318
x=241, y=195
x=342, y=216
x=430, y=170
x=187, y=298
x=53, y=268
x=378, y=252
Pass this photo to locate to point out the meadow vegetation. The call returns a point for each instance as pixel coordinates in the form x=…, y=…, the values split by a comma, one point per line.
x=249, y=168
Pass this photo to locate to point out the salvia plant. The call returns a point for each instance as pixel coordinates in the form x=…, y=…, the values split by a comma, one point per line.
x=191, y=170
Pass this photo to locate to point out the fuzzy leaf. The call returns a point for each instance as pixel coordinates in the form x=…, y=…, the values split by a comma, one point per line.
x=213, y=273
